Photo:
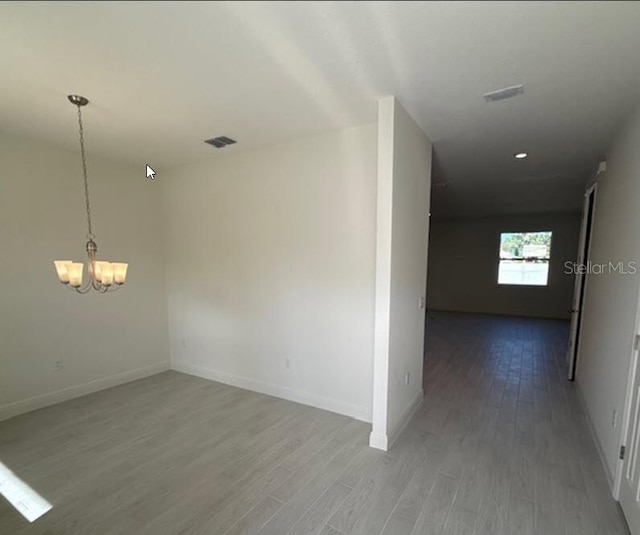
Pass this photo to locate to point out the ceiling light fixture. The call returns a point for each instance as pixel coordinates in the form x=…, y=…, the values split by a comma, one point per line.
x=103, y=276
x=520, y=155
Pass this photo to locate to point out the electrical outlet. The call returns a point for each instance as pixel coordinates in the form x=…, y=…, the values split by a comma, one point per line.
x=420, y=303
x=614, y=418
x=58, y=365
x=406, y=379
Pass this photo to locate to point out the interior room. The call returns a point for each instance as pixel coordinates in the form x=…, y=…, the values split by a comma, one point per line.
x=330, y=268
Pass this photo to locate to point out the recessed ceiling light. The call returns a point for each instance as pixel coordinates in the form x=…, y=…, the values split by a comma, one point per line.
x=520, y=155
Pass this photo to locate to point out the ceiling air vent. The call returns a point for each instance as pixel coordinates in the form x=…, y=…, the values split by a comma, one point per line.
x=220, y=141
x=501, y=94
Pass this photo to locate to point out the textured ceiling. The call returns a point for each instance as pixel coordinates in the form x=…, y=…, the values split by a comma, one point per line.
x=164, y=76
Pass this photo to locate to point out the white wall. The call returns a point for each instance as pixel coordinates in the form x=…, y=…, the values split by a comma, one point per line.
x=611, y=300
x=463, y=266
x=403, y=200
x=103, y=340
x=270, y=269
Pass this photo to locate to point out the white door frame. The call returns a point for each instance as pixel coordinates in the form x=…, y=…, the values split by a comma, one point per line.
x=580, y=284
x=627, y=410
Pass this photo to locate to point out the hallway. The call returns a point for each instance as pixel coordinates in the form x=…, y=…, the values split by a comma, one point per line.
x=520, y=457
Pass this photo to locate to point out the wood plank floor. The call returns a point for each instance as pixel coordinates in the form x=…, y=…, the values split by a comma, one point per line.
x=500, y=446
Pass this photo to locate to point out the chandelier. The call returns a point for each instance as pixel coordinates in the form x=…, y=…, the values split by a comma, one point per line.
x=102, y=276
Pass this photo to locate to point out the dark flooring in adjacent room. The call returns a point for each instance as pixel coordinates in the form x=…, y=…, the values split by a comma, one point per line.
x=500, y=446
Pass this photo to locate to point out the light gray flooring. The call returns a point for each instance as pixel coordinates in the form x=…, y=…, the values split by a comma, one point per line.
x=500, y=446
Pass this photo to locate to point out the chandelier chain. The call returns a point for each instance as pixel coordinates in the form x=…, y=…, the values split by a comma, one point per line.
x=84, y=174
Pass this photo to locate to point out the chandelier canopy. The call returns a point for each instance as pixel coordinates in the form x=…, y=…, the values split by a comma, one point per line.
x=102, y=276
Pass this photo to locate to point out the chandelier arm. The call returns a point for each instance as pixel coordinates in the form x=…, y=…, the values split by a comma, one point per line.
x=82, y=289
x=97, y=285
x=84, y=172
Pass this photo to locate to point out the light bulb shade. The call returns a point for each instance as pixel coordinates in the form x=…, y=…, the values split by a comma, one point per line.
x=106, y=273
x=74, y=270
x=97, y=270
x=120, y=272
x=62, y=270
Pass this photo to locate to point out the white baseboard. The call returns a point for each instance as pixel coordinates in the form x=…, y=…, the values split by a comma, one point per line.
x=603, y=459
x=51, y=398
x=382, y=441
x=378, y=441
x=340, y=407
x=406, y=417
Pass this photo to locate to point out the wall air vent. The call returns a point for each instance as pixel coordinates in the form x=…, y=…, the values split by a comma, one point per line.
x=502, y=94
x=220, y=141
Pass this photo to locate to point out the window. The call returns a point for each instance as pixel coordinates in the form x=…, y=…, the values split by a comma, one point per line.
x=524, y=258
